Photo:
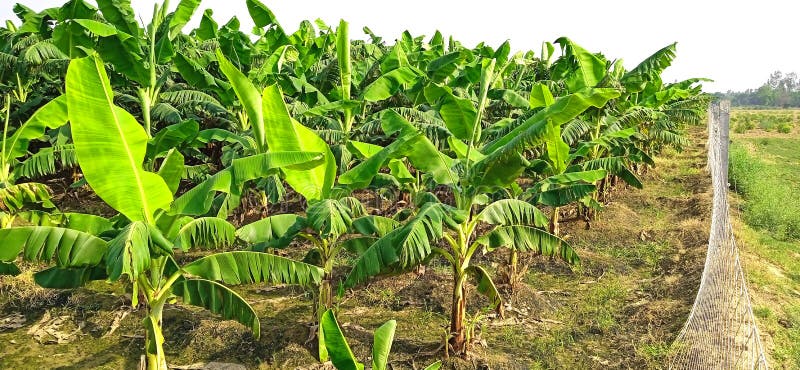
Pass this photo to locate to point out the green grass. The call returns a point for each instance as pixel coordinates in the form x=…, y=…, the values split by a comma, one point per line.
x=655, y=353
x=765, y=170
x=769, y=182
x=762, y=312
x=792, y=335
x=646, y=255
x=601, y=306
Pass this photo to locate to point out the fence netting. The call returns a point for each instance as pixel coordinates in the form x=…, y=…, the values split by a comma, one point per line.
x=721, y=331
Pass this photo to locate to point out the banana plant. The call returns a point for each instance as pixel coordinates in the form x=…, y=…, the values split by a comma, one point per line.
x=325, y=226
x=342, y=356
x=328, y=217
x=471, y=177
x=364, y=80
x=618, y=137
x=14, y=196
x=330, y=214
x=136, y=52
x=110, y=147
x=562, y=183
x=606, y=138
x=30, y=63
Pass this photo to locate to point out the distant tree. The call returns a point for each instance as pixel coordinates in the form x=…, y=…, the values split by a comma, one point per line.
x=780, y=91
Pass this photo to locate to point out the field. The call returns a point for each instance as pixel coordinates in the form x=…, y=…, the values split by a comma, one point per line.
x=782, y=121
x=621, y=309
x=765, y=171
x=173, y=195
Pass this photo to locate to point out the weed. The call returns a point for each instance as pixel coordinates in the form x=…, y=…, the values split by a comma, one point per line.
x=654, y=353
x=762, y=312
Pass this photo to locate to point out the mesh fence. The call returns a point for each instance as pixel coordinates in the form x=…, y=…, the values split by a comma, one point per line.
x=721, y=332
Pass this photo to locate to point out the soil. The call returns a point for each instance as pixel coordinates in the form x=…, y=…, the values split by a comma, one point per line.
x=642, y=259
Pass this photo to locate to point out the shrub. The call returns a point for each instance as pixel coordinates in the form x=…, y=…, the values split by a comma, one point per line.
x=767, y=123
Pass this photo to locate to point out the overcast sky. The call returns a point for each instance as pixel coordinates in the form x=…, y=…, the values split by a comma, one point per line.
x=737, y=44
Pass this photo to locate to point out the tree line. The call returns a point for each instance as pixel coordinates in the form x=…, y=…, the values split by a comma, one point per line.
x=780, y=91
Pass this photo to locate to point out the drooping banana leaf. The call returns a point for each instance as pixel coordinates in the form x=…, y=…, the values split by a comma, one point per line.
x=389, y=84
x=404, y=247
x=14, y=197
x=198, y=200
x=562, y=195
x=485, y=285
x=507, y=212
x=244, y=267
x=410, y=144
x=206, y=233
x=374, y=225
x=65, y=247
x=68, y=278
x=218, y=299
x=9, y=268
x=91, y=224
x=526, y=238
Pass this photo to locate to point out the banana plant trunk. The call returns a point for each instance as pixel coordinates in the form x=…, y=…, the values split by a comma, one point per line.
x=325, y=302
x=146, y=104
x=458, y=332
x=325, y=293
x=155, y=290
x=554, y=221
x=154, y=339
x=513, y=261
x=602, y=192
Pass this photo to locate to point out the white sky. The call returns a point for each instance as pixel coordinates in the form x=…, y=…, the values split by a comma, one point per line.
x=736, y=43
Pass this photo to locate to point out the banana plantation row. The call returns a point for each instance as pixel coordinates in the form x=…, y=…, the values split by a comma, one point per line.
x=479, y=147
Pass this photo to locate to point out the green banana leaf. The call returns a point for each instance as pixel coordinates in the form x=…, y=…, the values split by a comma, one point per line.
x=64, y=247
x=244, y=267
x=286, y=134
x=218, y=299
x=382, y=345
x=339, y=351
x=111, y=145
x=49, y=116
